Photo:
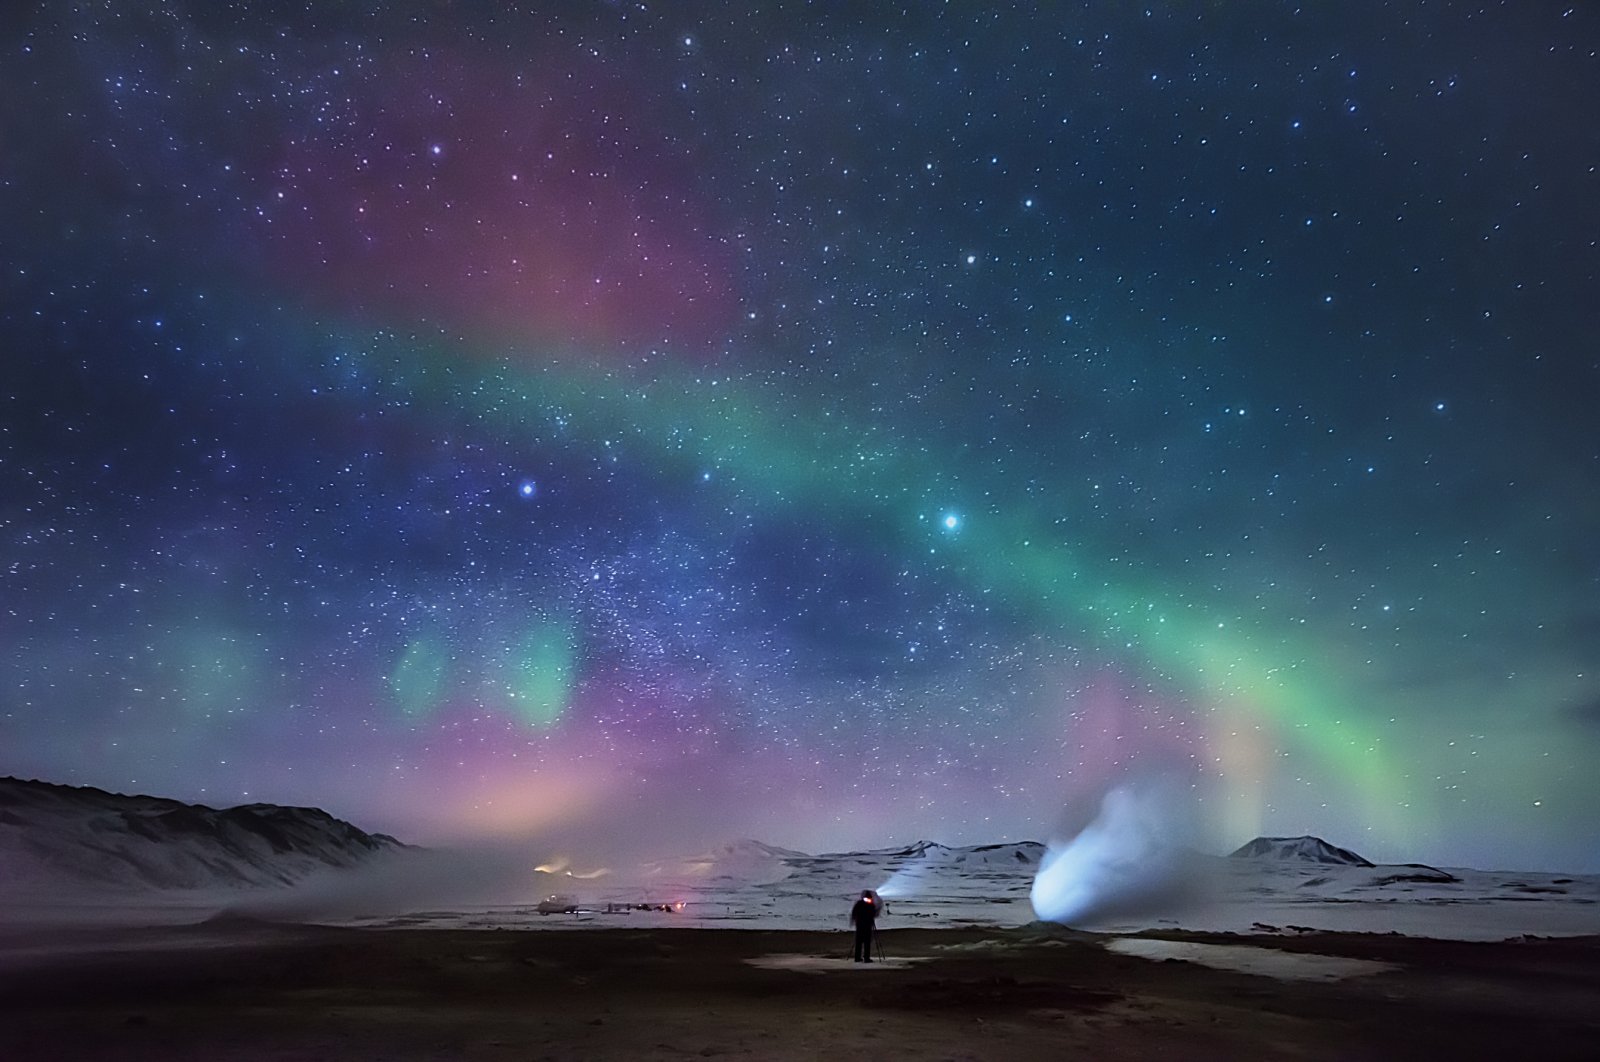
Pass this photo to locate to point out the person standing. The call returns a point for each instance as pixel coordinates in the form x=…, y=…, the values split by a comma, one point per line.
x=863, y=916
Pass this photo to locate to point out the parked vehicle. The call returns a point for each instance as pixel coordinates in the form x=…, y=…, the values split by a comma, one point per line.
x=558, y=905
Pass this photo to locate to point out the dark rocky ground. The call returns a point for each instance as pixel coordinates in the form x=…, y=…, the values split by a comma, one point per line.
x=290, y=993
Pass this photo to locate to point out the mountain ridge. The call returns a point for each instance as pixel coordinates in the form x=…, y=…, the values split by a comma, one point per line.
x=54, y=835
x=1304, y=849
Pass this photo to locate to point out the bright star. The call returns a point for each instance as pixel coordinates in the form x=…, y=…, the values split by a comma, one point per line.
x=951, y=521
x=528, y=488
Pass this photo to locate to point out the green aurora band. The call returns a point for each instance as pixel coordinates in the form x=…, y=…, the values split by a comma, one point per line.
x=778, y=450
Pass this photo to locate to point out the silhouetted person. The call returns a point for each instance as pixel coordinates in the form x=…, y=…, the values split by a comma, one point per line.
x=863, y=915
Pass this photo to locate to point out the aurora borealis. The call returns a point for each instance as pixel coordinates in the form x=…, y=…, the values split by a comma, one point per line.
x=833, y=424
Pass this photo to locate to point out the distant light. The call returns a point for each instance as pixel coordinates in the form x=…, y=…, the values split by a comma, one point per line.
x=528, y=489
x=951, y=521
x=972, y=259
x=436, y=150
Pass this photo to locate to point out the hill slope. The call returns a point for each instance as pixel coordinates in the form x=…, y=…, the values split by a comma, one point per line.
x=54, y=836
x=1299, y=849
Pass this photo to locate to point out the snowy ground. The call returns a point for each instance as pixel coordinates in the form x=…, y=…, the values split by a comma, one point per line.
x=752, y=886
x=1266, y=962
x=938, y=887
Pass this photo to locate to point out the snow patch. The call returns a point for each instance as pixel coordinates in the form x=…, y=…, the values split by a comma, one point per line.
x=1264, y=962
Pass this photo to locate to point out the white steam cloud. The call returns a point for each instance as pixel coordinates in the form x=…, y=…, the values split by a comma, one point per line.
x=1134, y=858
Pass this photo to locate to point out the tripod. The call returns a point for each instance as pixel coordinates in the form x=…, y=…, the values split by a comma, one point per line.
x=873, y=952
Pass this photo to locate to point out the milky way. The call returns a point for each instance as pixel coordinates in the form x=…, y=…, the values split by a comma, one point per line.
x=834, y=426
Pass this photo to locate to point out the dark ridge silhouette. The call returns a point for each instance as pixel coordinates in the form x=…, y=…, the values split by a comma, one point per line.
x=82, y=836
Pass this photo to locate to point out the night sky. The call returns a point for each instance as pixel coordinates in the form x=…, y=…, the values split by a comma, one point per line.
x=836, y=424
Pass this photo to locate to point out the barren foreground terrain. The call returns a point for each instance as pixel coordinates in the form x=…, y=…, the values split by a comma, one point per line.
x=238, y=990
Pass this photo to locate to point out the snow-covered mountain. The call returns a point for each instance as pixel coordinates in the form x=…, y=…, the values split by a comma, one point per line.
x=1313, y=868
x=742, y=861
x=1304, y=849
x=1010, y=855
x=82, y=855
x=1287, y=889
x=66, y=837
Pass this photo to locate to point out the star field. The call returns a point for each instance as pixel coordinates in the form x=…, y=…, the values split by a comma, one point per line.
x=832, y=426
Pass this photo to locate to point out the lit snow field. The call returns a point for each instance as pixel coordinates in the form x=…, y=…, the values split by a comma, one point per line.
x=925, y=886
x=751, y=886
x=81, y=857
